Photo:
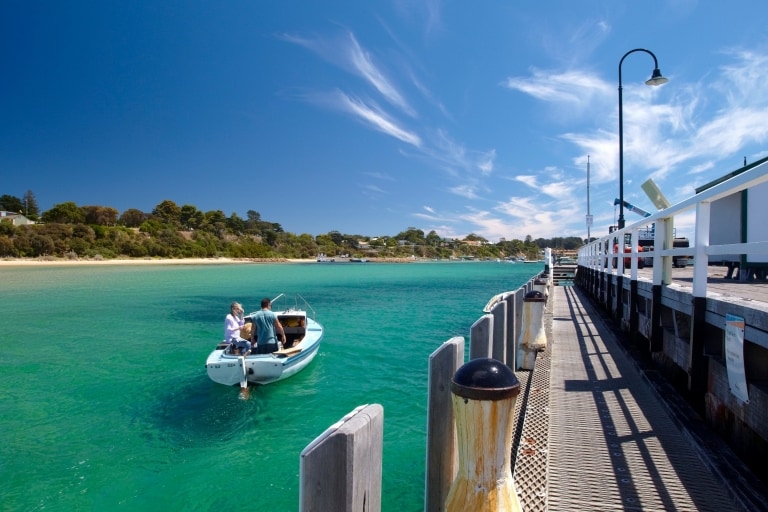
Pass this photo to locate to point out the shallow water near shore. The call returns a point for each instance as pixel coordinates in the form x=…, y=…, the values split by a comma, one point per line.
x=106, y=403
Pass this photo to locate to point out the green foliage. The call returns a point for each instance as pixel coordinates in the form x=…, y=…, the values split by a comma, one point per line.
x=132, y=218
x=168, y=212
x=65, y=213
x=10, y=203
x=171, y=231
x=6, y=247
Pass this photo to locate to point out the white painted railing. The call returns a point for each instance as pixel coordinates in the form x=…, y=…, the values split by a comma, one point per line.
x=599, y=254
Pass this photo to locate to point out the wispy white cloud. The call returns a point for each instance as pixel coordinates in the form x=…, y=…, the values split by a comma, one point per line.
x=527, y=179
x=464, y=190
x=375, y=118
x=362, y=62
x=568, y=87
x=375, y=189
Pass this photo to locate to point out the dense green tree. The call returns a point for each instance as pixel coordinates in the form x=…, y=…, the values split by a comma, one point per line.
x=101, y=215
x=6, y=246
x=41, y=245
x=10, y=203
x=215, y=222
x=7, y=228
x=336, y=237
x=84, y=232
x=412, y=235
x=151, y=226
x=432, y=239
x=475, y=238
x=31, y=209
x=168, y=212
x=132, y=218
x=236, y=224
x=190, y=217
x=64, y=213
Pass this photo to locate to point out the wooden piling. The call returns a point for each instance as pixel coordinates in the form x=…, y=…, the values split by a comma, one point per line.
x=442, y=458
x=341, y=469
x=480, y=337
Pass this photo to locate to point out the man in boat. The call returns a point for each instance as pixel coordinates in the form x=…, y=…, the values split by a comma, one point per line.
x=267, y=326
x=232, y=325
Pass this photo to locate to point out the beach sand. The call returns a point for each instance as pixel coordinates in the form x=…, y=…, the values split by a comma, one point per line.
x=47, y=262
x=50, y=262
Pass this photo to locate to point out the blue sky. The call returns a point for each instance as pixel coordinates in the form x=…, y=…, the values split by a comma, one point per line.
x=370, y=117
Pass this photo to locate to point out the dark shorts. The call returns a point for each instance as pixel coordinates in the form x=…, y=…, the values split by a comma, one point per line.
x=266, y=348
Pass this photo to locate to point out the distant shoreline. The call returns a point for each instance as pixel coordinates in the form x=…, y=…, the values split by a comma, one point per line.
x=40, y=262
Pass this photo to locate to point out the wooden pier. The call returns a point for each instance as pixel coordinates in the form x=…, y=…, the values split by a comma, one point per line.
x=600, y=434
x=597, y=426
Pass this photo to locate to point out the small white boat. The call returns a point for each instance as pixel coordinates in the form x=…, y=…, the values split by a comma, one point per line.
x=303, y=336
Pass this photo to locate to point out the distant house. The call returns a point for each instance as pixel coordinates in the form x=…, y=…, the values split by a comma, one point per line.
x=16, y=219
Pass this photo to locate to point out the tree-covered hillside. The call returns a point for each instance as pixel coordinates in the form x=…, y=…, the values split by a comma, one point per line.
x=171, y=231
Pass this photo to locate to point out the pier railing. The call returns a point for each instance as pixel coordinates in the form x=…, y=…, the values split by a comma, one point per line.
x=614, y=250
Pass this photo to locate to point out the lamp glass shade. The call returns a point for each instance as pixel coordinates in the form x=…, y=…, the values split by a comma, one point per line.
x=656, y=78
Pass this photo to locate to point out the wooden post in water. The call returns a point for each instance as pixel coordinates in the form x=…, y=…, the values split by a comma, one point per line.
x=442, y=458
x=499, y=336
x=341, y=469
x=512, y=327
x=484, y=395
x=480, y=337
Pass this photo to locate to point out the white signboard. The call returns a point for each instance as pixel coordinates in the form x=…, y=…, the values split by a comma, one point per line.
x=734, y=357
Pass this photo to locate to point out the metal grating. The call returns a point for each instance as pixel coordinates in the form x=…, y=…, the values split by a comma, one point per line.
x=530, y=449
x=612, y=445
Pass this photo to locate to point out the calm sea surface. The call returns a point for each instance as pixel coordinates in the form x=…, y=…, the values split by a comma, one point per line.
x=105, y=403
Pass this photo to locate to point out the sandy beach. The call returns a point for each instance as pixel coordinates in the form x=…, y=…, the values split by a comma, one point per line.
x=47, y=262
x=50, y=262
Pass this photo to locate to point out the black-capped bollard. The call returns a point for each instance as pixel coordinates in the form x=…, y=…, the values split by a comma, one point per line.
x=533, y=338
x=484, y=392
x=541, y=284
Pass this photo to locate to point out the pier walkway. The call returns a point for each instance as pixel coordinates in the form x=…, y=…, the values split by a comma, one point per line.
x=594, y=433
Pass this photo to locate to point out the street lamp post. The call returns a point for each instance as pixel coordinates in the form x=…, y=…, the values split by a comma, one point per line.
x=656, y=79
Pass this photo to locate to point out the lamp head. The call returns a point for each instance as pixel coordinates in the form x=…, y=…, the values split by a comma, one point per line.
x=656, y=78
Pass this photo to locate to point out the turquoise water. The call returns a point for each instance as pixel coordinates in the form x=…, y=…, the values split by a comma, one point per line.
x=106, y=404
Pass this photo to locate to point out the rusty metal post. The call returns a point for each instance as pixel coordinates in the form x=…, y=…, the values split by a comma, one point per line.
x=533, y=338
x=484, y=392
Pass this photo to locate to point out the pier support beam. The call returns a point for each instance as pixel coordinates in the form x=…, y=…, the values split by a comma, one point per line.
x=657, y=331
x=619, y=314
x=697, y=374
x=633, y=313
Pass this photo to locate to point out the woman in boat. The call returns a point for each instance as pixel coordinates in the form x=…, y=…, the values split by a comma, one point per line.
x=232, y=325
x=267, y=325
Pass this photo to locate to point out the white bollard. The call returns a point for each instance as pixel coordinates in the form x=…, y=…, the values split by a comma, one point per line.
x=533, y=338
x=484, y=392
x=541, y=284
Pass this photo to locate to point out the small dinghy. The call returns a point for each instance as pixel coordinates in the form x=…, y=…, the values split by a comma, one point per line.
x=303, y=336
